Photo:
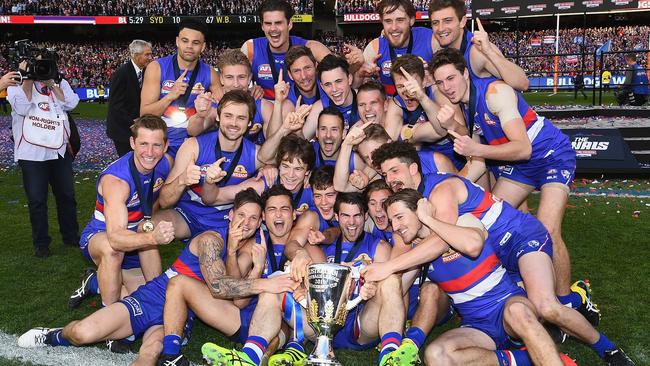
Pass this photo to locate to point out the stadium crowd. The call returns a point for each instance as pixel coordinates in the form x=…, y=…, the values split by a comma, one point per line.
x=141, y=7
x=99, y=58
x=368, y=6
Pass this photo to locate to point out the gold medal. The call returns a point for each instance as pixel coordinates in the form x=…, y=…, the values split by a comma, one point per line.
x=147, y=226
x=407, y=132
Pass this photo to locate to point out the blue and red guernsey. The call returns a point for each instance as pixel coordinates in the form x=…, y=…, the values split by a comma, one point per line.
x=294, y=93
x=421, y=47
x=277, y=255
x=541, y=132
x=368, y=246
x=177, y=130
x=320, y=161
x=187, y=262
x=475, y=285
x=497, y=216
x=262, y=72
x=120, y=169
x=190, y=201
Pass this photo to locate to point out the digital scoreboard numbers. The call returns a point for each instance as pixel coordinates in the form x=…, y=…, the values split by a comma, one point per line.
x=139, y=20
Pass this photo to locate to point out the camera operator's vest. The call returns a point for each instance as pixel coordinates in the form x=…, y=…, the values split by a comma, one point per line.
x=46, y=124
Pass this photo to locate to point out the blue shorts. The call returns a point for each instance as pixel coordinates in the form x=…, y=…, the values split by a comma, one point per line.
x=245, y=316
x=491, y=323
x=146, y=304
x=346, y=337
x=558, y=166
x=529, y=237
x=131, y=259
x=200, y=223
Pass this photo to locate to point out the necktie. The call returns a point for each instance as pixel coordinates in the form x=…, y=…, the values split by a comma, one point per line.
x=140, y=78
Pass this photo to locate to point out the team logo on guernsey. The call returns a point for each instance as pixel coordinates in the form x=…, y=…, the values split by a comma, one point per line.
x=533, y=244
x=255, y=128
x=478, y=130
x=45, y=106
x=450, y=256
x=198, y=88
x=158, y=184
x=135, y=200
x=264, y=72
x=303, y=207
x=167, y=86
x=565, y=174
x=487, y=119
x=240, y=172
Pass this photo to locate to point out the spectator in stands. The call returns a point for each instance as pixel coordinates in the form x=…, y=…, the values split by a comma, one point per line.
x=42, y=151
x=124, y=101
x=635, y=89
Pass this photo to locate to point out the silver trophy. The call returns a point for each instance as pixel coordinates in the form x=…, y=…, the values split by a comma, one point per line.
x=328, y=303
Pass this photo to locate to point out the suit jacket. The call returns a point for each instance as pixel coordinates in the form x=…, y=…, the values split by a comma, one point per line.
x=123, y=102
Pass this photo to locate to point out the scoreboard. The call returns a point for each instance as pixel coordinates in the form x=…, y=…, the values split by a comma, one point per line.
x=513, y=8
x=139, y=19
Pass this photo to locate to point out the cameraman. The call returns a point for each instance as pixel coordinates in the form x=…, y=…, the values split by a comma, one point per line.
x=635, y=90
x=41, y=132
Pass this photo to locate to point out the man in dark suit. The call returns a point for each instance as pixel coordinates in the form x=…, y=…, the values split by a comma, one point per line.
x=124, y=98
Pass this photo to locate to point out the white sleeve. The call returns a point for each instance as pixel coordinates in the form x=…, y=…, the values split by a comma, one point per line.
x=71, y=98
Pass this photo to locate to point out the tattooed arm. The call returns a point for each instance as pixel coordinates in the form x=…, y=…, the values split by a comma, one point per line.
x=222, y=286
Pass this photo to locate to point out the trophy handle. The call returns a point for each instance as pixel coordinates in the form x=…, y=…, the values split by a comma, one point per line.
x=351, y=304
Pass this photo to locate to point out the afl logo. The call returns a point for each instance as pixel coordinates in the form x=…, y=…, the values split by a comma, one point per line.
x=385, y=67
x=264, y=72
x=45, y=106
x=167, y=85
x=487, y=119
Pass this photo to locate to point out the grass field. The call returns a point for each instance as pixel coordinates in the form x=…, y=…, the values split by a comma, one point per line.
x=609, y=248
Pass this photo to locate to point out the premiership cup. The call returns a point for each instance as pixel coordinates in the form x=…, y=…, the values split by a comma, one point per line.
x=328, y=303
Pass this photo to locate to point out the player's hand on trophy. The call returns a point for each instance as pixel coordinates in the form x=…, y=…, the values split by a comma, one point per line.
x=281, y=88
x=163, y=233
x=299, y=265
x=368, y=290
x=191, y=176
x=376, y=272
x=180, y=86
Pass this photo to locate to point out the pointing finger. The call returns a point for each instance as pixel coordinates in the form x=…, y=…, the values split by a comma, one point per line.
x=221, y=160
x=454, y=133
x=298, y=101
x=405, y=73
x=280, y=79
x=479, y=25
x=180, y=78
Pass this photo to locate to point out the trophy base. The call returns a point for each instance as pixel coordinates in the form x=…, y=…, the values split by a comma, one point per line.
x=322, y=362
